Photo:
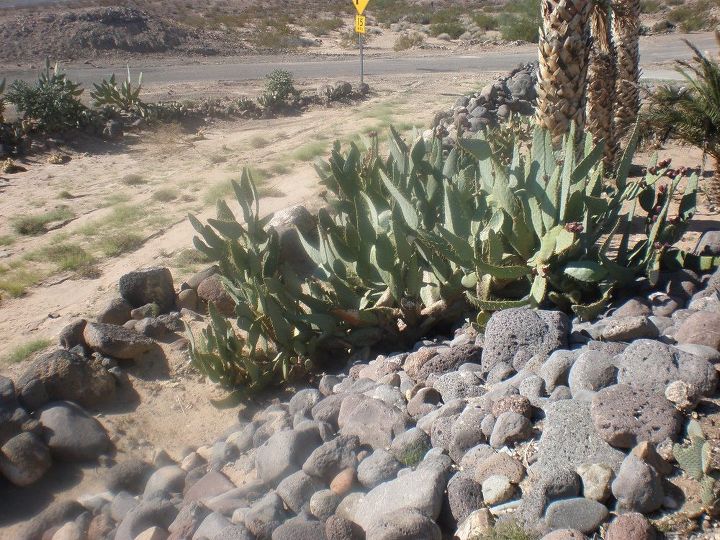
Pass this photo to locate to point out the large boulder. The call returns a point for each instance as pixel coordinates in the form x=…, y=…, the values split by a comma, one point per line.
x=149, y=286
x=701, y=328
x=287, y=223
x=421, y=490
x=513, y=336
x=64, y=376
x=212, y=290
x=24, y=459
x=284, y=453
x=623, y=416
x=117, y=341
x=72, y=434
x=652, y=365
x=373, y=421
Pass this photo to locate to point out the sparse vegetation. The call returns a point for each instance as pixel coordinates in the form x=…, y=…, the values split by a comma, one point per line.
x=322, y=27
x=34, y=225
x=15, y=282
x=165, y=195
x=650, y=6
x=258, y=141
x=693, y=17
x=310, y=151
x=119, y=242
x=6, y=240
x=133, y=180
x=520, y=21
x=25, y=351
x=485, y=21
x=66, y=257
x=279, y=90
x=408, y=40
x=64, y=194
x=507, y=530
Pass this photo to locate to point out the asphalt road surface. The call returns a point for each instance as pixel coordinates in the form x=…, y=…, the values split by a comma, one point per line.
x=656, y=55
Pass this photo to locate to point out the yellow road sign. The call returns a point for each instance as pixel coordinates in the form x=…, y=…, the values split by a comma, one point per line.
x=360, y=24
x=360, y=5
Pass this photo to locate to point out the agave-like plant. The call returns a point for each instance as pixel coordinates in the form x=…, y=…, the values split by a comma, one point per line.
x=124, y=97
x=691, y=114
x=412, y=242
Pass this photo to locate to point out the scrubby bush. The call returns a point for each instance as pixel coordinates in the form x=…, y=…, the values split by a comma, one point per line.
x=408, y=41
x=279, y=90
x=322, y=27
x=693, y=18
x=485, y=21
x=453, y=29
x=52, y=104
x=521, y=21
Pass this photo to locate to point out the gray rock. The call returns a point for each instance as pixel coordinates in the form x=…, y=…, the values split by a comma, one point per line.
x=304, y=400
x=499, y=463
x=211, y=526
x=596, y=480
x=374, y=422
x=197, y=278
x=323, y=504
x=64, y=376
x=72, y=434
x=420, y=490
x=522, y=86
x=53, y=516
x=300, y=528
x=151, y=285
x=464, y=496
x=122, y=504
x=116, y=341
x=652, y=365
x=339, y=528
x=410, y=447
x=212, y=290
x=164, y=482
x=513, y=336
x=629, y=328
x=638, y=486
x=592, y=371
x=441, y=433
x=289, y=221
x=144, y=516
x=580, y=514
x=497, y=489
x=188, y=520
x=328, y=409
x=266, y=515
x=233, y=532
x=466, y=431
x=556, y=368
x=297, y=489
x=130, y=475
x=72, y=335
x=569, y=439
x=623, y=416
x=284, y=453
x=701, y=328
x=378, y=467
x=407, y=525
x=458, y=384
x=476, y=455
x=449, y=360
x=212, y=484
x=24, y=459
x=332, y=457
x=423, y=402
x=635, y=307
x=630, y=525
x=510, y=427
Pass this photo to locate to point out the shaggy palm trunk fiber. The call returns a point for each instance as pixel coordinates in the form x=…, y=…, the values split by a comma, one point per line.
x=602, y=75
x=563, y=51
x=626, y=35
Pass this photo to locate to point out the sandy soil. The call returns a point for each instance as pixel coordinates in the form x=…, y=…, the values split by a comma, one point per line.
x=171, y=407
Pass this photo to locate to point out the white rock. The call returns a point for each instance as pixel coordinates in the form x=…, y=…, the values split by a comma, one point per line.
x=497, y=489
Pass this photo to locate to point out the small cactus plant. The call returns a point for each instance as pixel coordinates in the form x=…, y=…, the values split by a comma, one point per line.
x=695, y=461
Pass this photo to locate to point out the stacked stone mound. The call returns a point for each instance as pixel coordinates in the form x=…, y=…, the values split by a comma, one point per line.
x=562, y=426
x=493, y=105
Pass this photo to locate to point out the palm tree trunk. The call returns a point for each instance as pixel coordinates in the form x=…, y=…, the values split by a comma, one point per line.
x=602, y=75
x=712, y=190
x=626, y=35
x=563, y=52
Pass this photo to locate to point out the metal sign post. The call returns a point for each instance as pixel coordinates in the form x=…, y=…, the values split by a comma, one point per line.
x=360, y=6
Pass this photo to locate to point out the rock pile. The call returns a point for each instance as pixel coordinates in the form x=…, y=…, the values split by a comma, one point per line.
x=553, y=423
x=493, y=105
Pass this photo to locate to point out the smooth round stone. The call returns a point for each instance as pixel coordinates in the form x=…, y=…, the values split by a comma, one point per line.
x=578, y=513
x=497, y=489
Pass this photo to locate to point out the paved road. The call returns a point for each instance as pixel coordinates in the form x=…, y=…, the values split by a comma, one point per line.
x=654, y=52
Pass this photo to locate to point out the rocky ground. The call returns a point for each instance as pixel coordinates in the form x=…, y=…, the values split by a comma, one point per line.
x=561, y=427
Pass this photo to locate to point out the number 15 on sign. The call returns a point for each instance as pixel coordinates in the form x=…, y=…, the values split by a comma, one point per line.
x=360, y=24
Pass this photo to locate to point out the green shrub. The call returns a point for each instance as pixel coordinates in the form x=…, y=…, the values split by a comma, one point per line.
x=322, y=27
x=279, y=90
x=53, y=103
x=650, y=6
x=408, y=41
x=521, y=21
x=453, y=29
x=274, y=35
x=485, y=21
x=693, y=18
x=25, y=351
x=33, y=225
